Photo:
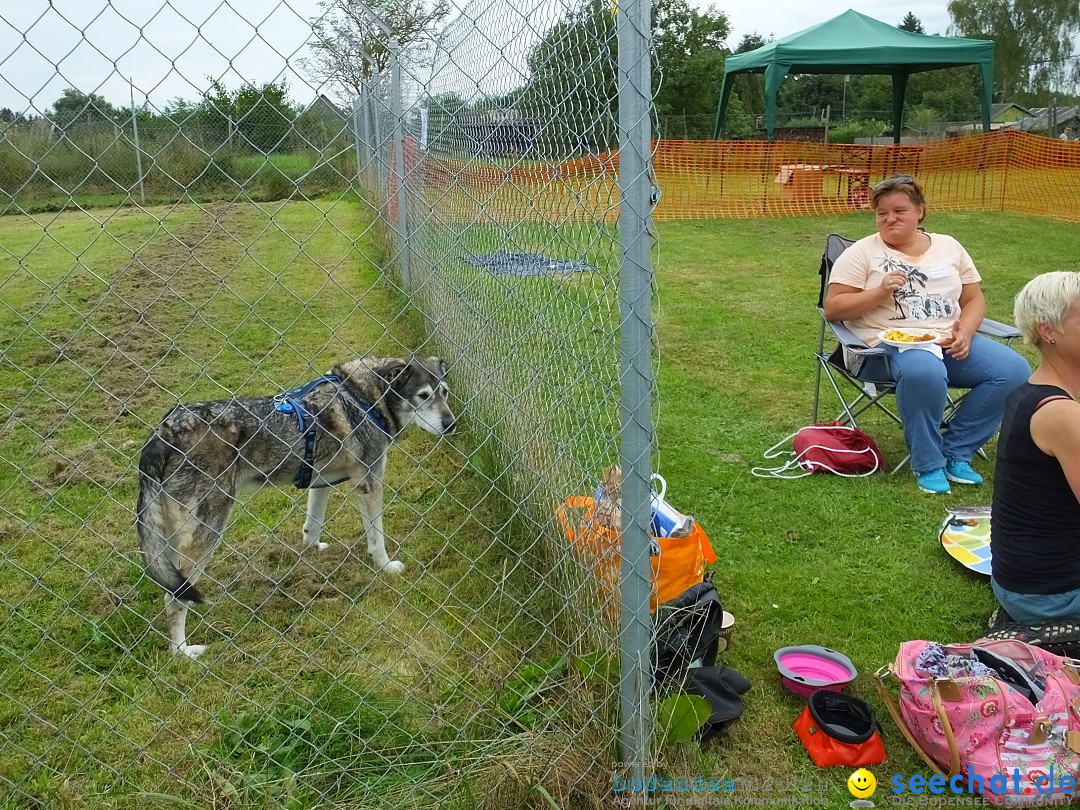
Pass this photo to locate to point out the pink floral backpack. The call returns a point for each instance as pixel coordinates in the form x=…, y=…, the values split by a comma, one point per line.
x=999, y=718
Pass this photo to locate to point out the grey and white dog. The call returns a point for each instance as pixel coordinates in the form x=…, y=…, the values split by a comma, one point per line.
x=335, y=428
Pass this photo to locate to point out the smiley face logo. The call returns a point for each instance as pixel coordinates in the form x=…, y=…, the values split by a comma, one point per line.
x=862, y=784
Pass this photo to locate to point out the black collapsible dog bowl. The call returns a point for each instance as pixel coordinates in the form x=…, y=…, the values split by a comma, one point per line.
x=841, y=716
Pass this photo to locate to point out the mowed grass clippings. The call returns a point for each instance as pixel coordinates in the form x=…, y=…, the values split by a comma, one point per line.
x=851, y=564
x=109, y=319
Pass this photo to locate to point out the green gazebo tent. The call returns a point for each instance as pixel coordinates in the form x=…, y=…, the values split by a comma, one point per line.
x=855, y=43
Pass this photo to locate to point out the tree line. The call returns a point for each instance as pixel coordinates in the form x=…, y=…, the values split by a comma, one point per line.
x=258, y=117
x=571, y=80
x=571, y=76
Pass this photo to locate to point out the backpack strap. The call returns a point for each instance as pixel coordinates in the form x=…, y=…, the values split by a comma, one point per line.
x=789, y=469
x=808, y=468
x=935, y=696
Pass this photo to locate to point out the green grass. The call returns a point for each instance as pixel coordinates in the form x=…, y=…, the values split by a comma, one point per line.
x=292, y=166
x=854, y=565
x=542, y=349
x=323, y=681
x=451, y=687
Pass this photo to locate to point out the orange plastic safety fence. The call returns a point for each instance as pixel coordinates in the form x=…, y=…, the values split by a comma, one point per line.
x=1001, y=171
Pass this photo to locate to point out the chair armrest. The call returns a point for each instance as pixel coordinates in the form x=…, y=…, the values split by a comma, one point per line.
x=997, y=329
x=850, y=341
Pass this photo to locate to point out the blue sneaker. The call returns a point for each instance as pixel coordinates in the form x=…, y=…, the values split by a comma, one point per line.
x=933, y=481
x=961, y=473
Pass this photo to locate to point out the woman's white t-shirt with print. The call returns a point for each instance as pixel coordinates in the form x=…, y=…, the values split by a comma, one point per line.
x=929, y=300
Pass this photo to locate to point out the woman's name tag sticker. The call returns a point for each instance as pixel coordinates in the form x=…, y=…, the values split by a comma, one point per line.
x=939, y=272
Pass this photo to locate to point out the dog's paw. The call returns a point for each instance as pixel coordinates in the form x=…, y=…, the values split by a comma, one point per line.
x=394, y=567
x=192, y=651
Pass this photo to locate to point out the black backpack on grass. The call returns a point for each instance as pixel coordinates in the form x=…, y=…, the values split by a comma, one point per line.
x=686, y=640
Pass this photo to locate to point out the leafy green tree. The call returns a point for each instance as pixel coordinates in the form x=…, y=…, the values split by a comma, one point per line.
x=321, y=125
x=952, y=94
x=870, y=96
x=952, y=104
x=572, y=84
x=76, y=107
x=809, y=93
x=748, y=88
x=214, y=116
x=262, y=115
x=751, y=42
x=251, y=116
x=911, y=23
x=180, y=109
x=350, y=48
x=1035, y=41
x=690, y=58
x=572, y=70
x=738, y=121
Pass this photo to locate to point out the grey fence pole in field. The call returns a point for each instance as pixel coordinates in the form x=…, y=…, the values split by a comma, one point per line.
x=370, y=143
x=635, y=290
x=399, y=159
x=138, y=151
x=378, y=155
x=358, y=138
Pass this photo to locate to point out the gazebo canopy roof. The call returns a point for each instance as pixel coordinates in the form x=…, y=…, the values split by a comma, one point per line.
x=855, y=43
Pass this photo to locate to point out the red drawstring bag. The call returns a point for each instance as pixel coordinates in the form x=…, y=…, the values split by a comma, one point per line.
x=828, y=447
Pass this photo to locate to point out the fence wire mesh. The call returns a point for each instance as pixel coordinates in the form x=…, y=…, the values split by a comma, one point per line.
x=332, y=191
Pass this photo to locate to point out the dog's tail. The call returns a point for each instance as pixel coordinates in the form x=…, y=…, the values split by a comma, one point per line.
x=151, y=522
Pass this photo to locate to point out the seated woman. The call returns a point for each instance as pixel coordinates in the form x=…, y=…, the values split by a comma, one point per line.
x=1036, y=507
x=902, y=276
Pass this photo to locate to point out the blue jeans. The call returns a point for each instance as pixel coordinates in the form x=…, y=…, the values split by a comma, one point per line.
x=1032, y=608
x=991, y=370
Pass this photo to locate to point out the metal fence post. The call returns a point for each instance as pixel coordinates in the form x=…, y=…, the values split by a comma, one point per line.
x=356, y=138
x=399, y=159
x=370, y=140
x=135, y=135
x=378, y=154
x=635, y=411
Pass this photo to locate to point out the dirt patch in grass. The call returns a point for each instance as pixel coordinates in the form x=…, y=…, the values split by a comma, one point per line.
x=168, y=277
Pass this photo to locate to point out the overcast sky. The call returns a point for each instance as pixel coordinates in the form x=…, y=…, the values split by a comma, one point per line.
x=169, y=49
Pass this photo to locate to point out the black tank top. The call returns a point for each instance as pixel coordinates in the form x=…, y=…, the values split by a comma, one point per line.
x=1035, y=518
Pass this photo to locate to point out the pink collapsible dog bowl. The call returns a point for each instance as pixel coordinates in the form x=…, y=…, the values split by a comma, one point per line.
x=810, y=667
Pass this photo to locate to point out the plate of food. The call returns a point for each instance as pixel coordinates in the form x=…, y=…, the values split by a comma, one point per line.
x=904, y=338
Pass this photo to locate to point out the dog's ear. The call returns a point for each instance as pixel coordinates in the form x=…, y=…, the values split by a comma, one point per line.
x=393, y=371
x=438, y=363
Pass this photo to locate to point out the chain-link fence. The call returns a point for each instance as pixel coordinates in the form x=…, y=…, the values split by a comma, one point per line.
x=263, y=153
x=228, y=249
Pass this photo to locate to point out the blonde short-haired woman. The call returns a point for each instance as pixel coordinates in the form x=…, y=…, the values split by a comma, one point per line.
x=1036, y=508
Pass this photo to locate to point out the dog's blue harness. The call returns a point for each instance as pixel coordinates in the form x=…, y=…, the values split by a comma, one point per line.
x=292, y=401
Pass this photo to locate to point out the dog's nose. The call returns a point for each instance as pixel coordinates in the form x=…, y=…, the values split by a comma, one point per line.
x=448, y=427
